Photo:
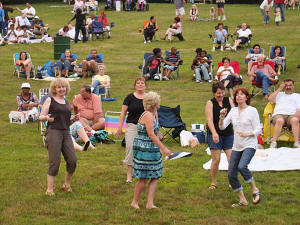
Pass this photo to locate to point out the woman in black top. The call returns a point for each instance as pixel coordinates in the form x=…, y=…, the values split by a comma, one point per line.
x=150, y=29
x=56, y=110
x=79, y=25
x=133, y=104
x=218, y=140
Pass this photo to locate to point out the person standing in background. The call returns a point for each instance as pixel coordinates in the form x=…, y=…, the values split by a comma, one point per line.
x=179, y=8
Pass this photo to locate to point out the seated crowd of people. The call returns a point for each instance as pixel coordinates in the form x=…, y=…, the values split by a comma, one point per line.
x=24, y=29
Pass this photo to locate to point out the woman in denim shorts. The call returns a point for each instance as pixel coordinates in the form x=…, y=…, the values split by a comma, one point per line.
x=218, y=140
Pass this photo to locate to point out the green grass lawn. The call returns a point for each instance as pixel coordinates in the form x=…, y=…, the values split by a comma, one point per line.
x=100, y=195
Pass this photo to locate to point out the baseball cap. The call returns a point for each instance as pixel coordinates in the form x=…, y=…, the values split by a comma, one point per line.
x=25, y=85
x=36, y=17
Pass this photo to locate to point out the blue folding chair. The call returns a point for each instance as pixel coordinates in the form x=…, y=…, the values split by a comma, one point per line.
x=283, y=52
x=73, y=56
x=146, y=56
x=172, y=75
x=250, y=51
x=17, y=69
x=170, y=121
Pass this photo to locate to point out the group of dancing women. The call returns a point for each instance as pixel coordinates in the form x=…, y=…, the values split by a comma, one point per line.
x=233, y=127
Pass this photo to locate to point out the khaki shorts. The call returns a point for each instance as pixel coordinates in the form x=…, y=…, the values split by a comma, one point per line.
x=90, y=123
x=286, y=118
x=131, y=133
x=180, y=11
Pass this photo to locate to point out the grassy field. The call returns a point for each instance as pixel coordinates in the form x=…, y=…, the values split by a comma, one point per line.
x=100, y=195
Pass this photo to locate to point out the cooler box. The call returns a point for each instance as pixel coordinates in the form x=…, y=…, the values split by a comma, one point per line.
x=60, y=45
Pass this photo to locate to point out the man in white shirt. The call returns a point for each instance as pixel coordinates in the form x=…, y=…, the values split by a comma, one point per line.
x=243, y=36
x=29, y=11
x=287, y=104
x=23, y=21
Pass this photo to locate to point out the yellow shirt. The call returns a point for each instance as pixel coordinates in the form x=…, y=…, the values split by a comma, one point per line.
x=103, y=79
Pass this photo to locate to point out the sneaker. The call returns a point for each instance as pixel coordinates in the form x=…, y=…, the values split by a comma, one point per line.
x=222, y=49
x=273, y=144
x=149, y=41
x=156, y=77
x=213, y=49
x=145, y=42
x=219, y=17
x=209, y=81
x=165, y=78
x=224, y=18
x=297, y=144
x=198, y=81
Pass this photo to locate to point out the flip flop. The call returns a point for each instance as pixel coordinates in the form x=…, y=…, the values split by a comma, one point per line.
x=254, y=197
x=86, y=145
x=213, y=187
x=238, y=205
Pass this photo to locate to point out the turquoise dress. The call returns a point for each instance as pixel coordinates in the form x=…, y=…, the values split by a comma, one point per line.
x=147, y=162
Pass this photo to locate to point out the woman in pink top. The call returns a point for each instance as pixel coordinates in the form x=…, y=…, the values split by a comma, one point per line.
x=176, y=28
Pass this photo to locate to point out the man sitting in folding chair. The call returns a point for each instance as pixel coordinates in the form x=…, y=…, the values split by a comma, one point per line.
x=170, y=121
x=173, y=57
x=264, y=74
x=287, y=104
x=91, y=63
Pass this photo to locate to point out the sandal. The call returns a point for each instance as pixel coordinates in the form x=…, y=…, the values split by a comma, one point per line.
x=238, y=205
x=86, y=145
x=50, y=193
x=128, y=181
x=212, y=187
x=254, y=197
x=66, y=189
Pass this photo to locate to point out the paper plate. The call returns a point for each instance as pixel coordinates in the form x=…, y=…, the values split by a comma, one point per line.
x=178, y=155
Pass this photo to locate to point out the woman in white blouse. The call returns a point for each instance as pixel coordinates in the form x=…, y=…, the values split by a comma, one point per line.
x=246, y=126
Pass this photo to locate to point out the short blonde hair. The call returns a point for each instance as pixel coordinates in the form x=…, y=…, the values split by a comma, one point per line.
x=57, y=83
x=151, y=101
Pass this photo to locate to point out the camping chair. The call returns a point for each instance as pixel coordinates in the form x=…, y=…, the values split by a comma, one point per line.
x=90, y=71
x=211, y=36
x=179, y=36
x=236, y=67
x=43, y=125
x=250, y=51
x=174, y=76
x=112, y=122
x=248, y=43
x=170, y=121
x=211, y=67
x=75, y=68
x=18, y=70
x=146, y=56
x=107, y=92
x=285, y=135
x=283, y=50
x=256, y=85
x=97, y=30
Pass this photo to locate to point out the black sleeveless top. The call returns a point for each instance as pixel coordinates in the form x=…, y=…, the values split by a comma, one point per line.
x=216, y=116
x=61, y=114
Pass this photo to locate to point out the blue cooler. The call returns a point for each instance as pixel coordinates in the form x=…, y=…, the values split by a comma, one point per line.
x=199, y=131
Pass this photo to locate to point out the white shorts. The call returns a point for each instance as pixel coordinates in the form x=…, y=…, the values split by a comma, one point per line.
x=180, y=11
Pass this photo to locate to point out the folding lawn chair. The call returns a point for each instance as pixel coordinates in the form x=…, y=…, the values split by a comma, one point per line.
x=283, y=50
x=112, y=122
x=285, y=134
x=107, y=91
x=17, y=69
x=256, y=85
x=146, y=56
x=170, y=121
x=236, y=67
x=211, y=36
x=250, y=51
x=174, y=76
x=74, y=68
x=144, y=24
x=248, y=43
x=43, y=125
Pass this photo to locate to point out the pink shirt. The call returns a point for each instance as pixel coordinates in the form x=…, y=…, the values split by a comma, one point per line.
x=88, y=107
x=267, y=69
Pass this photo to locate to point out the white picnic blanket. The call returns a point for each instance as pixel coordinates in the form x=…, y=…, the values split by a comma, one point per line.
x=280, y=159
x=53, y=78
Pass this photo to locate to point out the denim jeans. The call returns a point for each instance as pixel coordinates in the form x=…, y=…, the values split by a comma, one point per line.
x=2, y=28
x=239, y=162
x=64, y=65
x=151, y=72
x=263, y=79
x=97, y=90
x=266, y=18
x=83, y=31
x=5, y=27
x=282, y=8
x=204, y=71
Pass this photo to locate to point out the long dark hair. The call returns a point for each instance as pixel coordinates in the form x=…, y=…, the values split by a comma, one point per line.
x=276, y=47
x=22, y=53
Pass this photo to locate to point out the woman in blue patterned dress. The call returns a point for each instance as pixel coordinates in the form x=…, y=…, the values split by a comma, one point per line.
x=147, y=150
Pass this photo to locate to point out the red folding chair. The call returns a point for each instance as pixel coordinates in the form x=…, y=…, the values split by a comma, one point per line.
x=256, y=85
x=236, y=67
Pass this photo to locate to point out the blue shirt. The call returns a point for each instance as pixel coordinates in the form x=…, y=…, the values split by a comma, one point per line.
x=2, y=15
x=219, y=35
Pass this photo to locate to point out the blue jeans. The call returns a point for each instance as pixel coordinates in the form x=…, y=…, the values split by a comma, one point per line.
x=83, y=31
x=2, y=28
x=5, y=27
x=266, y=18
x=282, y=8
x=239, y=162
x=97, y=90
x=64, y=65
x=204, y=71
x=263, y=79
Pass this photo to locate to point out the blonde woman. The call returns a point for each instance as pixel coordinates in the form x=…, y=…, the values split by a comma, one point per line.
x=193, y=13
x=57, y=111
x=147, y=151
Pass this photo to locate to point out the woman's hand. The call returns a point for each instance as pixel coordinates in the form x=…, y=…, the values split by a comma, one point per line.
x=215, y=138
x=76, y=117
x=168, y=152
x=223, y=112
x=49, y=118
x=118, y=133
x=242, y=134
